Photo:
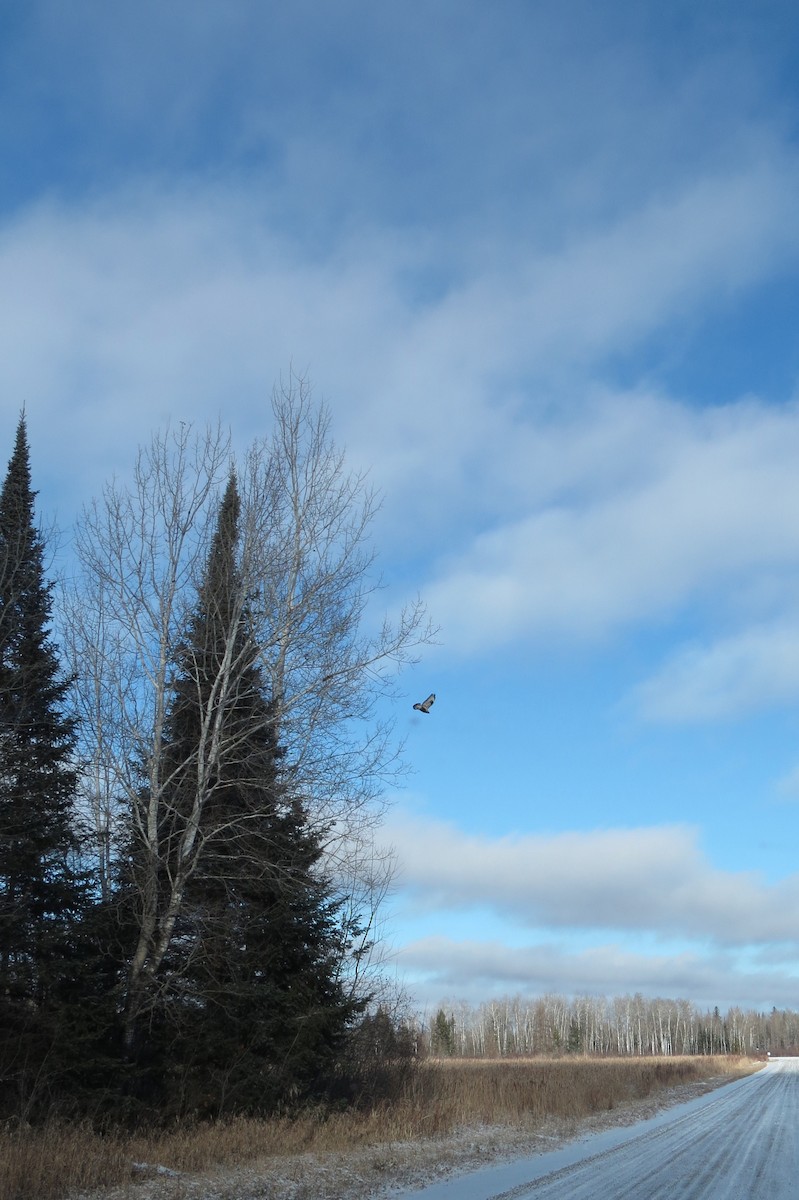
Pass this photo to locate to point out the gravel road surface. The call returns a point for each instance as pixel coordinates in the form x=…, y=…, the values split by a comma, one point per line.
x=738, y=1143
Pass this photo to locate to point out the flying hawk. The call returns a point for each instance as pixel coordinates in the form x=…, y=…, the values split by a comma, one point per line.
x=426, y=705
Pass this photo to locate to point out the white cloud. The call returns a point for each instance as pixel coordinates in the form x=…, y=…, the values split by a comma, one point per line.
x=604, y=911
x=654, y=880
x=676, y=507
x=574, y=519
x=158, y=304
x=788, y=785
x=163, y=298
x=729, y=677
x=700, y=244
x=476, y=971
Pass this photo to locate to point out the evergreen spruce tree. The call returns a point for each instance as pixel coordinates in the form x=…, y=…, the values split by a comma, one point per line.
x=255, y=1009
x=41, y=894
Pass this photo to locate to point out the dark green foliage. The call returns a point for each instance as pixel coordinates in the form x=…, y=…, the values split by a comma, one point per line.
x=42, y=895
x=442, y=1034
x=251, y=1011
x=263, y=1014
x=574, y=1044
x=246, y=1010
x=381, y=1056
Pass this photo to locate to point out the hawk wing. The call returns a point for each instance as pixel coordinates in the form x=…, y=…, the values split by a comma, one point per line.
x=426, y=705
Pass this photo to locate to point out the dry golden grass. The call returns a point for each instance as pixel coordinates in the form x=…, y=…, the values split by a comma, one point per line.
x=529, y=1090
x=64, y=1160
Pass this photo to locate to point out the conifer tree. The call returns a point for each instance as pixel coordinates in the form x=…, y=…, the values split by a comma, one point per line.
x=255, y=1008
x=303, y=552
x=40, y=891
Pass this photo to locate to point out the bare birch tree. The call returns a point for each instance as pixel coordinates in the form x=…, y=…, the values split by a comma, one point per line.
x=327, y=652
x=307, y=583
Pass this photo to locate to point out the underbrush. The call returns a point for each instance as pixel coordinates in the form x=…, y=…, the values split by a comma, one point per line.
x=436, y=1098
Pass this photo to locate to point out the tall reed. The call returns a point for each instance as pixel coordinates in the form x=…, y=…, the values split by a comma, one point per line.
x=60, y=1160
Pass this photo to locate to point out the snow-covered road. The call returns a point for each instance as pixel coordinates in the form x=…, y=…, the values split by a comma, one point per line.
x=740, y=1142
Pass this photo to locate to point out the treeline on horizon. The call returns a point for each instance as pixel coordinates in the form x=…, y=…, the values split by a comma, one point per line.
x=620, y=1026
x=190, y=774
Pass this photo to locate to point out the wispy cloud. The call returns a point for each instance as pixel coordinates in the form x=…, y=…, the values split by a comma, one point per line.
x=477, y=971
x=609, y=511
x=788, y=785
x=729, y=677
x=704, y=242
x=612, y=510
x=157, y=297
x=674, y=508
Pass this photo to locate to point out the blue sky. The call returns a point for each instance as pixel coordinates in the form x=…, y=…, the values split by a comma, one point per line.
x=542, y=262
